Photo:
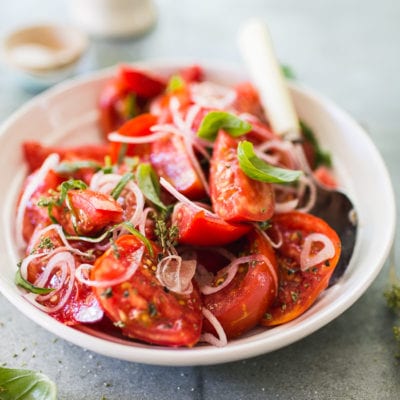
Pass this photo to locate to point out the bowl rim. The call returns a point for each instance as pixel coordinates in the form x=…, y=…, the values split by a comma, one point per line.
x=238, y=349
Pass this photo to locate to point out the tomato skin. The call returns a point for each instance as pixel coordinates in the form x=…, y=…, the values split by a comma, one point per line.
x=139, y=82
x=35, y=153
x=248, y=100
x=193, y=73
x=199, y=229
x=137, y=126
x=146, y=311
x=324, y=176
x=240, y=306
x=36, y=216
x=298, y=289
x=170, y=160
x=91, y=212
x=236, y=197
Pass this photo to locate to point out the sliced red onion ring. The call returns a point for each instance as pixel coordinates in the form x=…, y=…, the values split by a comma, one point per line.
x=36, y=180
x=183, y=199
x=66, y=262
x=176, y=274
x=219, y=341
x=117, y=137
x=212, y=95
x=308, y=260
x=229, y=272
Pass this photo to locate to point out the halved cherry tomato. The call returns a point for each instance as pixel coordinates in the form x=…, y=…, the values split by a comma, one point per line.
x=128, y=85
x=240, y=305
x=170, y=160
x=138, y=126
x=197, y=228
x=86, y=212
x=299, y=289
x=141, y=306
x=236, y=197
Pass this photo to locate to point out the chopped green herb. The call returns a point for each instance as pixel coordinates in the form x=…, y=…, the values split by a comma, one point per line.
x=167, y=236
x=121, y=153
x=116, y=192
x=321, y=157
x=216, y=120
x=152, y=309
x=264, y=225
x=259, y=170
x=46, y=243
x=175, y=83
x=108, y=293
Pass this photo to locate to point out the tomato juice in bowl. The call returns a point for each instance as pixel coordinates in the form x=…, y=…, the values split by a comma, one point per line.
x=64, y=122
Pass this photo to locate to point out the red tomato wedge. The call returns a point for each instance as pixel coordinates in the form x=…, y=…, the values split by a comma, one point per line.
x=139, y=82
x=240, y=306
x=87, y=212
x=138, y=126
x=35, y=153
x=170, y=160
x=299, y=289
x=36, y=216
x=236, y=197
x=110, y=117
x=198, y=228
x=140, y=305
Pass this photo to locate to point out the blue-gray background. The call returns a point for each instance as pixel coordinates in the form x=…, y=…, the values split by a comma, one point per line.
x=347, y=49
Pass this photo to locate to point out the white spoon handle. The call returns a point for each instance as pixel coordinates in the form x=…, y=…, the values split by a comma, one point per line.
x=258, y=53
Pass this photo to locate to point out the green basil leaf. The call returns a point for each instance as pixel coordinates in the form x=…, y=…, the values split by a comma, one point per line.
x=148, y=183
x=26, y=385
x=20, y=281
x=116, y=192
x=216, y=120
x=259, y=170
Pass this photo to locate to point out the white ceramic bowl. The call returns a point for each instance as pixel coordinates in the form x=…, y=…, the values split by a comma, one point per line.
x=67, y=114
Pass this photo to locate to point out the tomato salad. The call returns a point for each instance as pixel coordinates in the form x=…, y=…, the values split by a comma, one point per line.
x=188, y=224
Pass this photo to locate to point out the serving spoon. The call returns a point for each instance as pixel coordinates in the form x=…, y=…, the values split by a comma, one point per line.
x=332, y=206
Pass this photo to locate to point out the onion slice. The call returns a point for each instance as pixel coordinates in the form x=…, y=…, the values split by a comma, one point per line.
x=50, y=163
x=219, y=341
x=176, y=274
x=308, y=260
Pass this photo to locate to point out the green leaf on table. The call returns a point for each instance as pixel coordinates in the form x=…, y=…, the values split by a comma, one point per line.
x=22, y=384
x=259, y=170
x=216, y=120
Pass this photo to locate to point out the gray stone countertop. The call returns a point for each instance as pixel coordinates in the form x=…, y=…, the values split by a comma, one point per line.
x=347, y=49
